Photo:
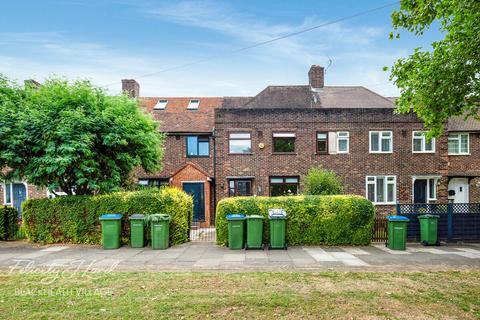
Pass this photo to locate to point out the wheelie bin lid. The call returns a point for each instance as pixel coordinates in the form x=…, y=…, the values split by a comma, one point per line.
x=255, y=216
x=277, y=214
x=137, y=216
x=159, y=217
x=111, y=216
x=235, y=216
x=397, y=218
x=428, y=216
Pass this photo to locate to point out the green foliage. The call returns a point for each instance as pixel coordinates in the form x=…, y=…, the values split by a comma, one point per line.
x=73, y=136
x=8, y=223
x=75, y=219
x=322, y=182
x=311, y=220
x=443, y=81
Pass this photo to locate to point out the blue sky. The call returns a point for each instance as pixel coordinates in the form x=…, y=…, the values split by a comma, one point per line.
x=107, y=40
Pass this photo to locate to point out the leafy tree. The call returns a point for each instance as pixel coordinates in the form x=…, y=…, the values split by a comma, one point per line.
x=444, y=81
x=75, y=137
x=322, y=182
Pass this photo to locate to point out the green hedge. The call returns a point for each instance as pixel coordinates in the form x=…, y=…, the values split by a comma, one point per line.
x=8, y=223
x=311, y=220
x=75, y=219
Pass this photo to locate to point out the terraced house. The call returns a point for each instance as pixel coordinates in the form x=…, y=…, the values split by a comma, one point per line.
x=219, y=147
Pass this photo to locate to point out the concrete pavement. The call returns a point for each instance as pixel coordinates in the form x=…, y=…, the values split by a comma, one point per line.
x=204, y=256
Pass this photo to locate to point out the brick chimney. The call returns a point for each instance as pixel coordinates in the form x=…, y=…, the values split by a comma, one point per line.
x=30, y=83
x=316, y=76
x=131, y=87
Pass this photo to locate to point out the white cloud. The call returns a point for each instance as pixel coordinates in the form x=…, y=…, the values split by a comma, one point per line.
x=40, y=54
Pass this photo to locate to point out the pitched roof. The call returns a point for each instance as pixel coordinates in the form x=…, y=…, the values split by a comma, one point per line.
x=176, y=118
x=458, y=123
x=302, y=96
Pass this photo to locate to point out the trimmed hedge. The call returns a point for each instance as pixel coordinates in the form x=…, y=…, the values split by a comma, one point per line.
x=75, y=219
x=8, y=223
x=311, y=220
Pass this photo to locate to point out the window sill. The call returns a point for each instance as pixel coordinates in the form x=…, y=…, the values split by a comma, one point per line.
x=240, y=154
x=424, y=152
x=459, y=154
x=384, y=203
x=284, y=153
x=381, y=152
x=198, y=156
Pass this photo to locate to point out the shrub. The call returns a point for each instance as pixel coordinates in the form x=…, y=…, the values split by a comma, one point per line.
x=75, y=219
x=311, y=220
x=8, y=223
x=322, y=182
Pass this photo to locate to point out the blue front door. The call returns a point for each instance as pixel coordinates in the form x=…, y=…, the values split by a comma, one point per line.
x=196, y=190
x=19, y=195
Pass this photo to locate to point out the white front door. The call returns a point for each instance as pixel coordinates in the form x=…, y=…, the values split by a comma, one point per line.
x=458, y=190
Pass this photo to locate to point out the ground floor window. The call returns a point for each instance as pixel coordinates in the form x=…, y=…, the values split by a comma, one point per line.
x=239, y=187
x=382, y=189
x=153, y=183
x=283, y=186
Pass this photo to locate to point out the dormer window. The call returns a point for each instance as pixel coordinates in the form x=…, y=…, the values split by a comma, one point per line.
x=161, y=105
x=193, y=104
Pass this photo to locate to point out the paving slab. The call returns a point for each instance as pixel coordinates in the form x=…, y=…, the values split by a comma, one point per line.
x=200, y=256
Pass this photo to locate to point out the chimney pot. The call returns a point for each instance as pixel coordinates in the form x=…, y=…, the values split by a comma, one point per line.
x=131, y=87
x=316, y=76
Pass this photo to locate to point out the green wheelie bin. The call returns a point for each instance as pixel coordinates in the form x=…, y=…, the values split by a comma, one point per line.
x=159, y=230
x=254, y=232
x=235, y=231
x=111, y=230
x=397, y=232
x=137, y=228
x=429, y=229
x=278, y=219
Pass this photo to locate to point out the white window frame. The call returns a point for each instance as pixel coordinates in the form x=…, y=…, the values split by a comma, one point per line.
x=380, y=138
x=346, y=137
x=5, y=193
x=459, y=139
x=386, y=182
x=11, y=191
x=424, y=143
x=231, y=136
x=428, y=178
x=161, y=104
x=194, y=104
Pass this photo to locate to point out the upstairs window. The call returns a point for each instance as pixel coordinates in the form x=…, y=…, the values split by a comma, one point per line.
x=240, y=142
x=193, y=104
x=382, y=189
x=322, y=142
x=458, y=143
x=343, y=143
x=161, y=105
x=381, y=142
x=198, y=146
x=284, y=142
x=421, y=144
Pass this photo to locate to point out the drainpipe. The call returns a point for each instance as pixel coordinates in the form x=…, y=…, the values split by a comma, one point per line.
x=214, y=176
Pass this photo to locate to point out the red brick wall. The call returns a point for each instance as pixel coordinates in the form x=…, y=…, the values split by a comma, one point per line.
x=352, y=167
x=190, y=173
x=175, y=158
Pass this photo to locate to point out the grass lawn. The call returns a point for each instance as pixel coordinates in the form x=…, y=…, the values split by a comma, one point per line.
x=327, y=295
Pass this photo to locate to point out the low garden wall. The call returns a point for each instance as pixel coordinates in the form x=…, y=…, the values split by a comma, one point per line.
x=75, y=219
x=311, y=220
